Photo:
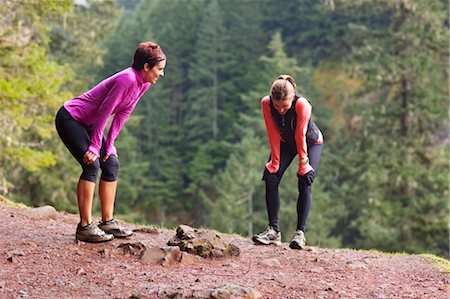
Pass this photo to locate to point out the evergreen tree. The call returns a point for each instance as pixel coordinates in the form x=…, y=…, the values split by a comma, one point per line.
x=74, y=38
x=392, y=165
x=29, y=91
x=160, y=111
x=224, y=61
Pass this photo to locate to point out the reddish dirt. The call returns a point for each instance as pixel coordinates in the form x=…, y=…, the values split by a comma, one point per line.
x=41, y=259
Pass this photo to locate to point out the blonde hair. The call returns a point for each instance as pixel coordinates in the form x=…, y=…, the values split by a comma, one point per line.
x=284, y=88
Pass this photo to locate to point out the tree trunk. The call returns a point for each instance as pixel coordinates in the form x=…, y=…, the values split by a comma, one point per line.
x=405, y=120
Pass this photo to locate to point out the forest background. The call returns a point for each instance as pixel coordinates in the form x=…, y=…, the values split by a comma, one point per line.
x=193, y=152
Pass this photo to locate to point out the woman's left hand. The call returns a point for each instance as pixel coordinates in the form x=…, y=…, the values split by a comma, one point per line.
x=105, y=158
x=307, y=178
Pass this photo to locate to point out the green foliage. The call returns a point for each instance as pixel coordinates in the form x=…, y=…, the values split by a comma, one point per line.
x=76, y=37
x=193, y=151
x=398, y=172
x=29, y=89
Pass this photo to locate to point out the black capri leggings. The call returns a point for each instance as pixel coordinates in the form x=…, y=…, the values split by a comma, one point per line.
x=287, y=154
x=77, y=137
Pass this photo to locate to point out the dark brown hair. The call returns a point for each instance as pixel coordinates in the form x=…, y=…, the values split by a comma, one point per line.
x=147, y=52
x=284, y=88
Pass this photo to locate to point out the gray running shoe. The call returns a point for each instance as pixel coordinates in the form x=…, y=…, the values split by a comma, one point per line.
x=267, y=237
x=298, y=241
x=113, y=227
x=92, y=234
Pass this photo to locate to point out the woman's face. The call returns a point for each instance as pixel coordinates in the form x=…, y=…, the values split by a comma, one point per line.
x=151, y=75
x=282, y=106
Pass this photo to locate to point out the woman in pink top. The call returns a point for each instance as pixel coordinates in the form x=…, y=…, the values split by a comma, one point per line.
x=81, y=122
x=291, y=132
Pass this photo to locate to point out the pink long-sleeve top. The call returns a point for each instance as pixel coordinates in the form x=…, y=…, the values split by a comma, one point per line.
x=116, y=95
x=303, y=111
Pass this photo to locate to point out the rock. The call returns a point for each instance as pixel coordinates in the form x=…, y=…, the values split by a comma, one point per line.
x=18, y=252
x=23, y=294
x=164, y=256
x=153, y=255
x=41, y=213
x=147, y=230
x=356, y=265
x=273, y=262
x=228, y=291
x=105, y=252
x=185, y=232
x=190, y=259
x=139, y=296
x=207, y=244
x=169, y=292
x=81, y=272
x=317, y=270
x=136, y=248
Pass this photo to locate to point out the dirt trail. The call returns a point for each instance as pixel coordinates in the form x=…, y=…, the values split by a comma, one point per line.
x=41, y=259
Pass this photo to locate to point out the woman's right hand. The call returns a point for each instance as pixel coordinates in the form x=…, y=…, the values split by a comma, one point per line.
x=89, y=157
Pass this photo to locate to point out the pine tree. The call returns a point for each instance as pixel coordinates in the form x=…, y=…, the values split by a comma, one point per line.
x=160, y=111
x=29, y=91
x=392, y=165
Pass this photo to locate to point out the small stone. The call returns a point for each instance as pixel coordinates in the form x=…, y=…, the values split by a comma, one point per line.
x=271, y=262
x=43, y=213
x=81, y=272
x=18, y=252
x=105, y=252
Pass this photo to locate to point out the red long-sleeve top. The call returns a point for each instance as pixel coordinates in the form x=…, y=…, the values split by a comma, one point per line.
x=303, y=112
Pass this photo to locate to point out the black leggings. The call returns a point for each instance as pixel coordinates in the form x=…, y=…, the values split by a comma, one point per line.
x=77, y=137
x=287, y=154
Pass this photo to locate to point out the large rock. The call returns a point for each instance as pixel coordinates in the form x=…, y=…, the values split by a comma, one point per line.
x=228, y=291
x=204, y=243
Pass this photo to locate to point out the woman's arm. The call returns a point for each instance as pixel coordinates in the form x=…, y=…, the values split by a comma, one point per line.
x=303, y=110
x=273, y=134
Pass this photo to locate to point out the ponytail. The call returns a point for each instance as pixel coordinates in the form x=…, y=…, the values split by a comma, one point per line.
x=289, y=79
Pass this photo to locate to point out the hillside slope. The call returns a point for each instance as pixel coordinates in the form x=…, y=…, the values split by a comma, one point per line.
x=39, y=258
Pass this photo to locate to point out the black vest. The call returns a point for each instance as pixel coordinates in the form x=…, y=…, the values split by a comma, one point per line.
x=287, y=123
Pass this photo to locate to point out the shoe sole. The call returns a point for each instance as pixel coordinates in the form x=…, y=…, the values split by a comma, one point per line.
x=295, y=245
x=264, y=242
x=117, y=234
x=91, y=239
x=121, y=235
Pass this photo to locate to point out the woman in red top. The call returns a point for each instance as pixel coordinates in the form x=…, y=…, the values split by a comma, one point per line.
x=291, y=132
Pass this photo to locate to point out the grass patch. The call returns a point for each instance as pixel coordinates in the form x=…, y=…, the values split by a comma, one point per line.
x=4, y=202
x=440, y=262
x=389, y=253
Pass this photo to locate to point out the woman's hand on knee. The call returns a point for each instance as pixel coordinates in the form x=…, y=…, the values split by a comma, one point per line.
x=306, y=179
x=89, y=157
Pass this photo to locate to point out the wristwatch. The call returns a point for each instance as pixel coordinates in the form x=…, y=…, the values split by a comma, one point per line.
x=304, y=161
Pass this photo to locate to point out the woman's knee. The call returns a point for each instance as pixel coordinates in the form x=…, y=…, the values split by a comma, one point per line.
x=90, y=171
x=110, y=169
x=271, y=179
